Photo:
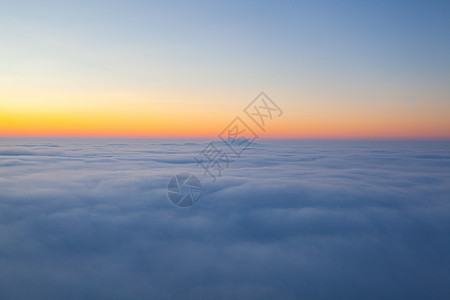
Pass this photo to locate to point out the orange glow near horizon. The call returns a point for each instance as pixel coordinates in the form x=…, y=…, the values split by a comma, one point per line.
x=113, y=115
x=201, y=125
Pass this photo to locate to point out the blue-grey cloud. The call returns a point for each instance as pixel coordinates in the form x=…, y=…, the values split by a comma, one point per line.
x=288, y=220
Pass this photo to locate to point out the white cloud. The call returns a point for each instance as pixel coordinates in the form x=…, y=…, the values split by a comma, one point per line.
x=288, y=220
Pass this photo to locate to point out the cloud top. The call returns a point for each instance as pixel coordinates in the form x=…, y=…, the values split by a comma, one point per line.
x=287, y=220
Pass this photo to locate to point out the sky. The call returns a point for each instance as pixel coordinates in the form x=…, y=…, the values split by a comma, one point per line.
x=338, y=69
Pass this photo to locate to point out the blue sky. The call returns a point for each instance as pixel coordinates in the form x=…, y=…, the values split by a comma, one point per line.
x=343, y=59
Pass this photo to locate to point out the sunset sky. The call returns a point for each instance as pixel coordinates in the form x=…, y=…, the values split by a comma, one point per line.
x=348, y=69
x=131, y=166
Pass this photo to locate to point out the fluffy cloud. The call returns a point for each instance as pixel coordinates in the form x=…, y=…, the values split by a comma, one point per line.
x=288, y=220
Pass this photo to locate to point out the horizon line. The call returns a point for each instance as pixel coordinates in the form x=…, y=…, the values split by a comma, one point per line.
x=268, y=137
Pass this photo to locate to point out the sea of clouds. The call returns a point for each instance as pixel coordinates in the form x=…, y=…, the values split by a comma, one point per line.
x=90, y=219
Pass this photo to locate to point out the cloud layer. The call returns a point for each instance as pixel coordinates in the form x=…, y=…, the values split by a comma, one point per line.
x=288, y=220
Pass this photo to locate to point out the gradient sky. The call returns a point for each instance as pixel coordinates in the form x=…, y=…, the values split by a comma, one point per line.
x=338, y=69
